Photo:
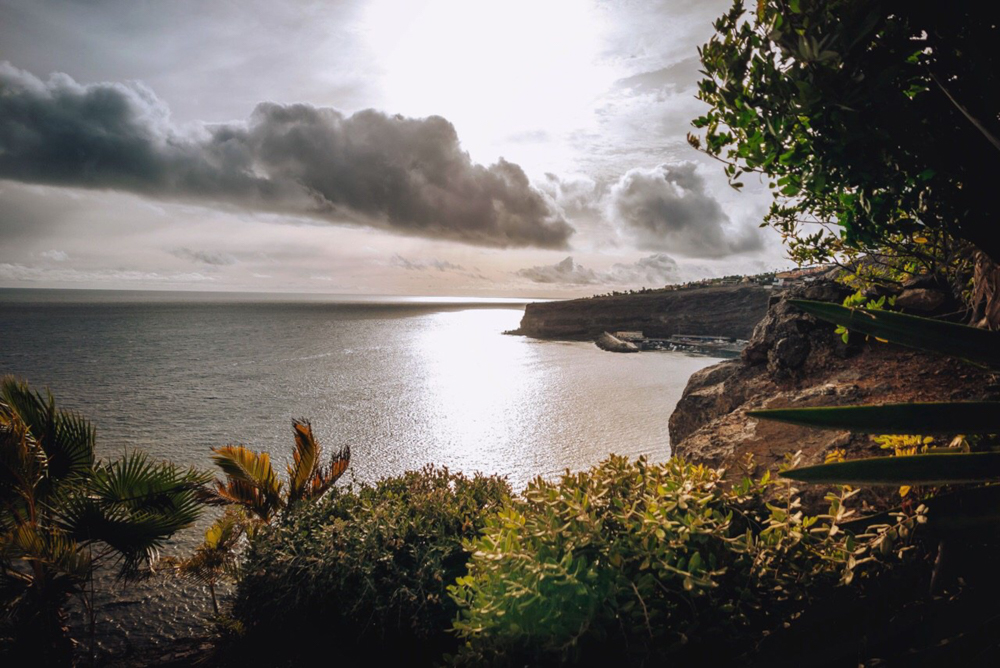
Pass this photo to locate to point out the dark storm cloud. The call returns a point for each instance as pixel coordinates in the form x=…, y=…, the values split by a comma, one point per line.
x=402, y=174
x=669, y=208
x=652, y=271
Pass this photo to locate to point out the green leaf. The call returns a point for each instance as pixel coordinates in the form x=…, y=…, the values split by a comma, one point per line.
x=931, y=469
x=973, y=417
x=978, y=346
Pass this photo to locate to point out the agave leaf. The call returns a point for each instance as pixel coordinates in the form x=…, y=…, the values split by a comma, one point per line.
x=971, y=417
x=978, y=346
x=931, y=469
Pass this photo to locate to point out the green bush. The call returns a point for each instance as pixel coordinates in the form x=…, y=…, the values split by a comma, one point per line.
x=635, y=562
x=364, y=572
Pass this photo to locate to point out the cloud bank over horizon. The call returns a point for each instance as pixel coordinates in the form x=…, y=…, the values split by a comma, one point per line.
x=405, y=175
x=653, y=271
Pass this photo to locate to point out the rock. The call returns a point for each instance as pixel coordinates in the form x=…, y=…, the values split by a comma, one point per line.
x=788, y=354
x=615, y=345
x=795, y=360
x=728, y=311
x=921, y=300
x=712, y=375
x=702, y=396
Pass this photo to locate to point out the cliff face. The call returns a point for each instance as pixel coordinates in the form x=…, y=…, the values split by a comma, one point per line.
x=795, y=360
x=726, y=311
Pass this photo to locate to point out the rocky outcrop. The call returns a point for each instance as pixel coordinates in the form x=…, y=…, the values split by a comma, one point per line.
x=795, y=360
x=725, y=311
x=613, y=344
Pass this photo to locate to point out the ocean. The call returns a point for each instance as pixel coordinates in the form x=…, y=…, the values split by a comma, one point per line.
x=405, y=381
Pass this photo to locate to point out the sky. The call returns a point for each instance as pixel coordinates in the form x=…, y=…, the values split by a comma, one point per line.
x=414, y=147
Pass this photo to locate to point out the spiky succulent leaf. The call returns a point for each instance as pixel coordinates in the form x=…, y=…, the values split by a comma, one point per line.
x=928, y=469
x=978, y=346
x=972, y=417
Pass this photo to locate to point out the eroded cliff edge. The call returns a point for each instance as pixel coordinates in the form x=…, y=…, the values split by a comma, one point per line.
x=795, y=360
x=725, y=311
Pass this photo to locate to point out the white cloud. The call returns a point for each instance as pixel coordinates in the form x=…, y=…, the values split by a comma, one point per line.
x=54, y=255
x=653, y=271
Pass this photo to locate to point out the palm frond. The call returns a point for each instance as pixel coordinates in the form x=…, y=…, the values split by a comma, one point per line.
x=66, y=439
x=133, y=505
x=22, y=466
x=58, y=552
x=251, y=481
x=216, y=557
x=326, y=476
x=304, y=461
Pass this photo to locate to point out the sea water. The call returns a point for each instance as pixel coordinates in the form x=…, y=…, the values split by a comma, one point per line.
x=404, y=381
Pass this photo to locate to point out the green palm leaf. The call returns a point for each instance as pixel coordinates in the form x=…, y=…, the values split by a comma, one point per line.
x=978, y=346
x=973, y=417
x=132, y=505
x=928, y=469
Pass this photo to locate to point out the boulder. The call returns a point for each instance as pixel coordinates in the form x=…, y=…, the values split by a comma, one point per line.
x=613, y=344
x=921, y=300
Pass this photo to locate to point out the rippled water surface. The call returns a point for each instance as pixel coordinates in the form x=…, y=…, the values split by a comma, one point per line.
x=405, y=382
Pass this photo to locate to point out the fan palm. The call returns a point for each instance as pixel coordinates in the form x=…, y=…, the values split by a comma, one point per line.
x=65, y=514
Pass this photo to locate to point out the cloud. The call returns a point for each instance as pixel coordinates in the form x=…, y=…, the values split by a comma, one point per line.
x=19, y=273
x=652, y=271
x=567, y=272
x=407, y=175
x=423, y=265
x=204, y=257
x=55, y=255
x=668, y=208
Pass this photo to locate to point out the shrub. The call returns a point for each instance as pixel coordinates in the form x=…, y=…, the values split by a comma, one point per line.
x=364, y=571
x=633, y=562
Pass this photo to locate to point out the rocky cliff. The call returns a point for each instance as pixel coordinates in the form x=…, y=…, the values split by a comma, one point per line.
x=795, y=360
x=726, y=311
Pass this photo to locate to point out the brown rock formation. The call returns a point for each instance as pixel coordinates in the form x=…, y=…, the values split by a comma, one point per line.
x=726, y=311
x=795, y=360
